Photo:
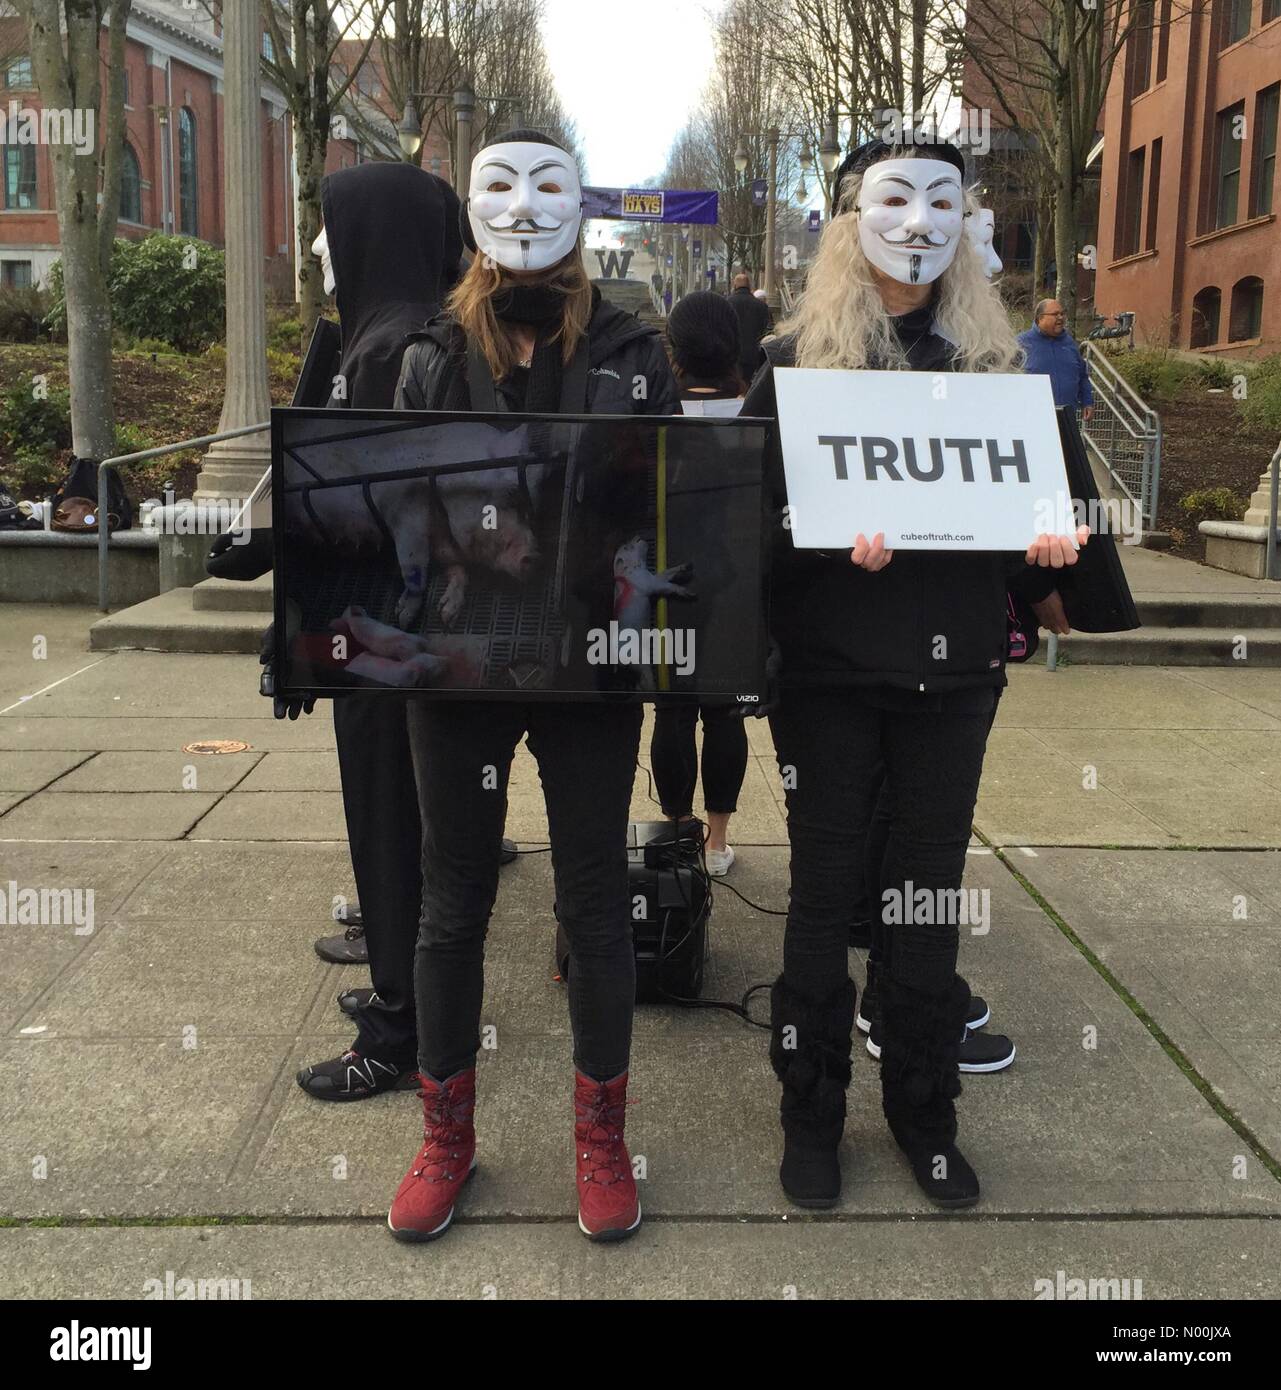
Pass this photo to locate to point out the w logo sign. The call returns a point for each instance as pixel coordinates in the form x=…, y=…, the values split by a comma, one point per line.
x=613, y=265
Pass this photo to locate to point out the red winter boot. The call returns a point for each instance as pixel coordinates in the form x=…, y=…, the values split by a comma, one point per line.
x=608, y=1208
x=424, y=1204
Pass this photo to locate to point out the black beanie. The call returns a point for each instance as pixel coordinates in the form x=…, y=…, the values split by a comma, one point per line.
x=871, y=152
x=519, y=136
x=703, y=332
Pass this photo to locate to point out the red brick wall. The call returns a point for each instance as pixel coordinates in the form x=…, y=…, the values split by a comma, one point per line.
x=1160, y=285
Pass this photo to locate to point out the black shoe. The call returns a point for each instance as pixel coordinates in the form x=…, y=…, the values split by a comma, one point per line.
x=982, y=1052
x=351, y=1001
x=347, y=949
x=920, y=1041
x=353, y=1077
x=810, y=1048
x=979, y=1052
x=509, y=851
x=869, y=1009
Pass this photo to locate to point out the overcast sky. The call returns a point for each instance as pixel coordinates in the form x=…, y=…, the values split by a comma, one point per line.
x=629, y=75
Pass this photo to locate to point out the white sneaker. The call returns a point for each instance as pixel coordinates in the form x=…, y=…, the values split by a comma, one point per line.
x=719, y=861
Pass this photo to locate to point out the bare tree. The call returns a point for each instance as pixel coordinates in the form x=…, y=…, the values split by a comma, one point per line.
x=305, y=39
x=68, y=62
x=1048, y=65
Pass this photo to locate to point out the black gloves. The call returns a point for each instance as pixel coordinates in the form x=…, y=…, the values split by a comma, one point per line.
x=233, y=557
x=282, y=709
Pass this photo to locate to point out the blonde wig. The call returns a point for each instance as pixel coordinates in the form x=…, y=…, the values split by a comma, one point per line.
x=841, y=321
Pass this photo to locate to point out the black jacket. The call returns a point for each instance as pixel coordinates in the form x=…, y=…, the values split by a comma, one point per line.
x=395, y=248
x=930, y=621
x=754, y=322
x=622, y=353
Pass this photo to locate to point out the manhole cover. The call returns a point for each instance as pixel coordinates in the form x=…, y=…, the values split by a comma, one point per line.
x=216, y=745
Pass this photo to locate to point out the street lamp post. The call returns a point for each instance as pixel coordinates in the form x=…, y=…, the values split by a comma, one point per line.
x=409, y=134
x=741, y=159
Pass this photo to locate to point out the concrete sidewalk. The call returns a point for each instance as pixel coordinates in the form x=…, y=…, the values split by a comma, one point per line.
x=150, y=1063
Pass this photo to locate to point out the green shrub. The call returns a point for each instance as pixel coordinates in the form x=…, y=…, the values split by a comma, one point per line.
x=1154, y=372
x=1213, y=372
x=33, y=471
x=285, y=335
x=1212, y=503
x=156, y=346
x=131, y=439
x=166, y=288
x=37, y=424
x=1261, y=408
x=22, y=314
x=217, y=354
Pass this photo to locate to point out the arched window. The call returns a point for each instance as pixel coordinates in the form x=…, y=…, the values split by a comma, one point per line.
x=1205, y=317
x=188, y=212
x=130, y=187
x=1245, y=318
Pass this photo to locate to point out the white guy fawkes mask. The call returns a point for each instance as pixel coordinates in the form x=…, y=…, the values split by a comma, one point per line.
x=980, y=229
x=525, y=204
x=320, y=248
x=910, y=214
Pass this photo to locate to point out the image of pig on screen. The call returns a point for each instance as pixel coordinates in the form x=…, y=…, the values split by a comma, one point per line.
x=454, y=519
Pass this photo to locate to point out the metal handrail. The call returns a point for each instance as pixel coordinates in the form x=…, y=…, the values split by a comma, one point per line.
x=104, y=535
x=1270, y=557
x=1137, y=406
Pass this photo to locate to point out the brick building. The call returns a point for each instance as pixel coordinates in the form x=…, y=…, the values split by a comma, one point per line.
x=1188, y=236
x=173, y=172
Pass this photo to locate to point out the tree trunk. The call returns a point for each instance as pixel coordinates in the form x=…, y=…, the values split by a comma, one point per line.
x=1065, y=214
x=310, y=152
x=67, y=61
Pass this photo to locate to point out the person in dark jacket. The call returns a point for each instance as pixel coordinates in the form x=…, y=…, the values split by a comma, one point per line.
x=754, y=322
x=868, y=692
x=387, y=281
x=702, y=336
x=524, y=330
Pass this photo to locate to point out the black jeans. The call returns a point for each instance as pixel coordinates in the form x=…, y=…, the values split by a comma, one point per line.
x=380, y=802
x=835, y=748
x=675, y=758
x=586, y=758
x=878, y=839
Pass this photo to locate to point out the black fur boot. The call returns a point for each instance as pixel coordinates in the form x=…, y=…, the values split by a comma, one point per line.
x=921, y=1036
x=810, y=1052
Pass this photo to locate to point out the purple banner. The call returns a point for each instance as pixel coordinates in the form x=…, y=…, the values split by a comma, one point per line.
x=652, y=204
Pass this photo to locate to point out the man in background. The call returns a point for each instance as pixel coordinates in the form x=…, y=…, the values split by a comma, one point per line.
x=754, y=322
x=1052, y=351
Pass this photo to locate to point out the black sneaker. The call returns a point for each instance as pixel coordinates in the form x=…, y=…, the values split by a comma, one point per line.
x=509, y=851
x=869, y=1003
x=351, y=1001
x=347, y=949
x=980, y=1052
x=353, y=1077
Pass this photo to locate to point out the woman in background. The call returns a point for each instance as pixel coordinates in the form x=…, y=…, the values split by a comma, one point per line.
x=702, y=337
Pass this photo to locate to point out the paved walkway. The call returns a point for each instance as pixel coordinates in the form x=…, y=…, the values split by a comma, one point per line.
x=1127, y=832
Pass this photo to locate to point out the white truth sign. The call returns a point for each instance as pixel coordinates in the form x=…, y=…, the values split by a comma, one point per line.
x=946, y=461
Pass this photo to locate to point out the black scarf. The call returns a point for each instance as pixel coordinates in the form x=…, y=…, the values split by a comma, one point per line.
x=540, y=306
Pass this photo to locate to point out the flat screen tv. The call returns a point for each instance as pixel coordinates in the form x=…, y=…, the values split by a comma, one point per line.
x=529, y=557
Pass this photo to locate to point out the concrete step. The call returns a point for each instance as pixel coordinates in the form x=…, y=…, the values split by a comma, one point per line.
x=1175, y=646
x=169, y=623
x=1240, y=611
x=233, y=595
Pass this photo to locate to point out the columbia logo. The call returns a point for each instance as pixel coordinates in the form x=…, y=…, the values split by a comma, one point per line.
x=604, y=371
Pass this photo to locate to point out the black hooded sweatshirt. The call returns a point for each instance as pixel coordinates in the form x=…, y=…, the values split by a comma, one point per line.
x=395, y=248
